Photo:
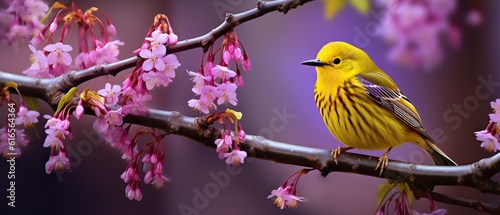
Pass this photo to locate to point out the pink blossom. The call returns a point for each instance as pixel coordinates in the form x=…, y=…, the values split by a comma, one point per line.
x=208, y=69
x=110, y=28
x=108, y=52
x=110, y=93
x=102, y=54
x=53, y=141
x=58, y=58
x=202, y=104
x=226, y=93
x=53, y=27
x=39, y=67
x=155, y=79
x=235, y=157
x=130, y=174
x=241, y=135
x=117, y=137
x=495, y=105
x=239, y=81
x=222, y=72
x=154, y=59
x=232, y=52
x=100, y=124
x=131, y=177
x=133, y=193
x=224, y=144
x=284, y=197
x=136, y=105
x=226, y=56
x=490, y=143
x=205, y=104
x=172, y=38
x=78, y=113
x=129, y=151
x=157, y=40
x=114, y=117
x=495, y=117
x=26, y=117
x=57, y=128
x=246, y=64
x=19, y=34
x=85, y=59
x=155, y=175
x=198, y=80
x=51, y=121
x=208, y=92
x=171, y=63
x=38, y=38
x=57, y=162
x=21, y=20
x=159, y=181
x=58, y=53
x=57, y=131
x=28, y=8
x=415, y=29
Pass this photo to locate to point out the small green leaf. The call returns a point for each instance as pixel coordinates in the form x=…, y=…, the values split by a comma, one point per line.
x=409, y=195
x=56, y=5
x=361, y=6
x=332, y=7
x=234, y=113
x=382, y=190
x=10, y=84
x=31, y=102
x=66, y=98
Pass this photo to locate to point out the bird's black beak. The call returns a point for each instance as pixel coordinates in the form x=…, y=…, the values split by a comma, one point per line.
x=313, y=63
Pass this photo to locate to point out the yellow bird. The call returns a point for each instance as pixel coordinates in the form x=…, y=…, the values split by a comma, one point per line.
x=362, y=106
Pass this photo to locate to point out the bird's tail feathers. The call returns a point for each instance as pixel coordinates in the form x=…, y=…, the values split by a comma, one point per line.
x=438, y=156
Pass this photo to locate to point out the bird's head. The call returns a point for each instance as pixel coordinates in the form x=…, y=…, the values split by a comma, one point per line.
x=339, y=61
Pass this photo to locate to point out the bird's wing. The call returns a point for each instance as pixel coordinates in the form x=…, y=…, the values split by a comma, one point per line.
x=395, y=102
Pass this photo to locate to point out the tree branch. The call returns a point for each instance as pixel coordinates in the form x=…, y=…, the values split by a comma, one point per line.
x=491, y=208
x=204, y=42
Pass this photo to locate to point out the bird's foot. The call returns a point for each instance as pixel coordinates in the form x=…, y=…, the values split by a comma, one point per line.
x=383, y=161
x=336, y=153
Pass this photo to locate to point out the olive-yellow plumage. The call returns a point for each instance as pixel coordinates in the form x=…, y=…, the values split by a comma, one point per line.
x=362, y=106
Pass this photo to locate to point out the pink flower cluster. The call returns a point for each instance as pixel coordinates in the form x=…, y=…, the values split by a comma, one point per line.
x=156, y=68
x=416, y=29
x=152, y=165
x=54, y=59
x=402, y=199
x=57, y=130
x=219, y=81
x=229, y=150
x=490, y=137
x=21, y=20
x=11, y=137
x=286, y=194
x=228, y=144
x=109, y=120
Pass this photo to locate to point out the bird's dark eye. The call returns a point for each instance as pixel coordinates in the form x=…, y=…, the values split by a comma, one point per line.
x=336, y=60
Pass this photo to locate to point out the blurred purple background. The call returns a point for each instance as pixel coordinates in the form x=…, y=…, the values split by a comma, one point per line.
x=276, y=45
